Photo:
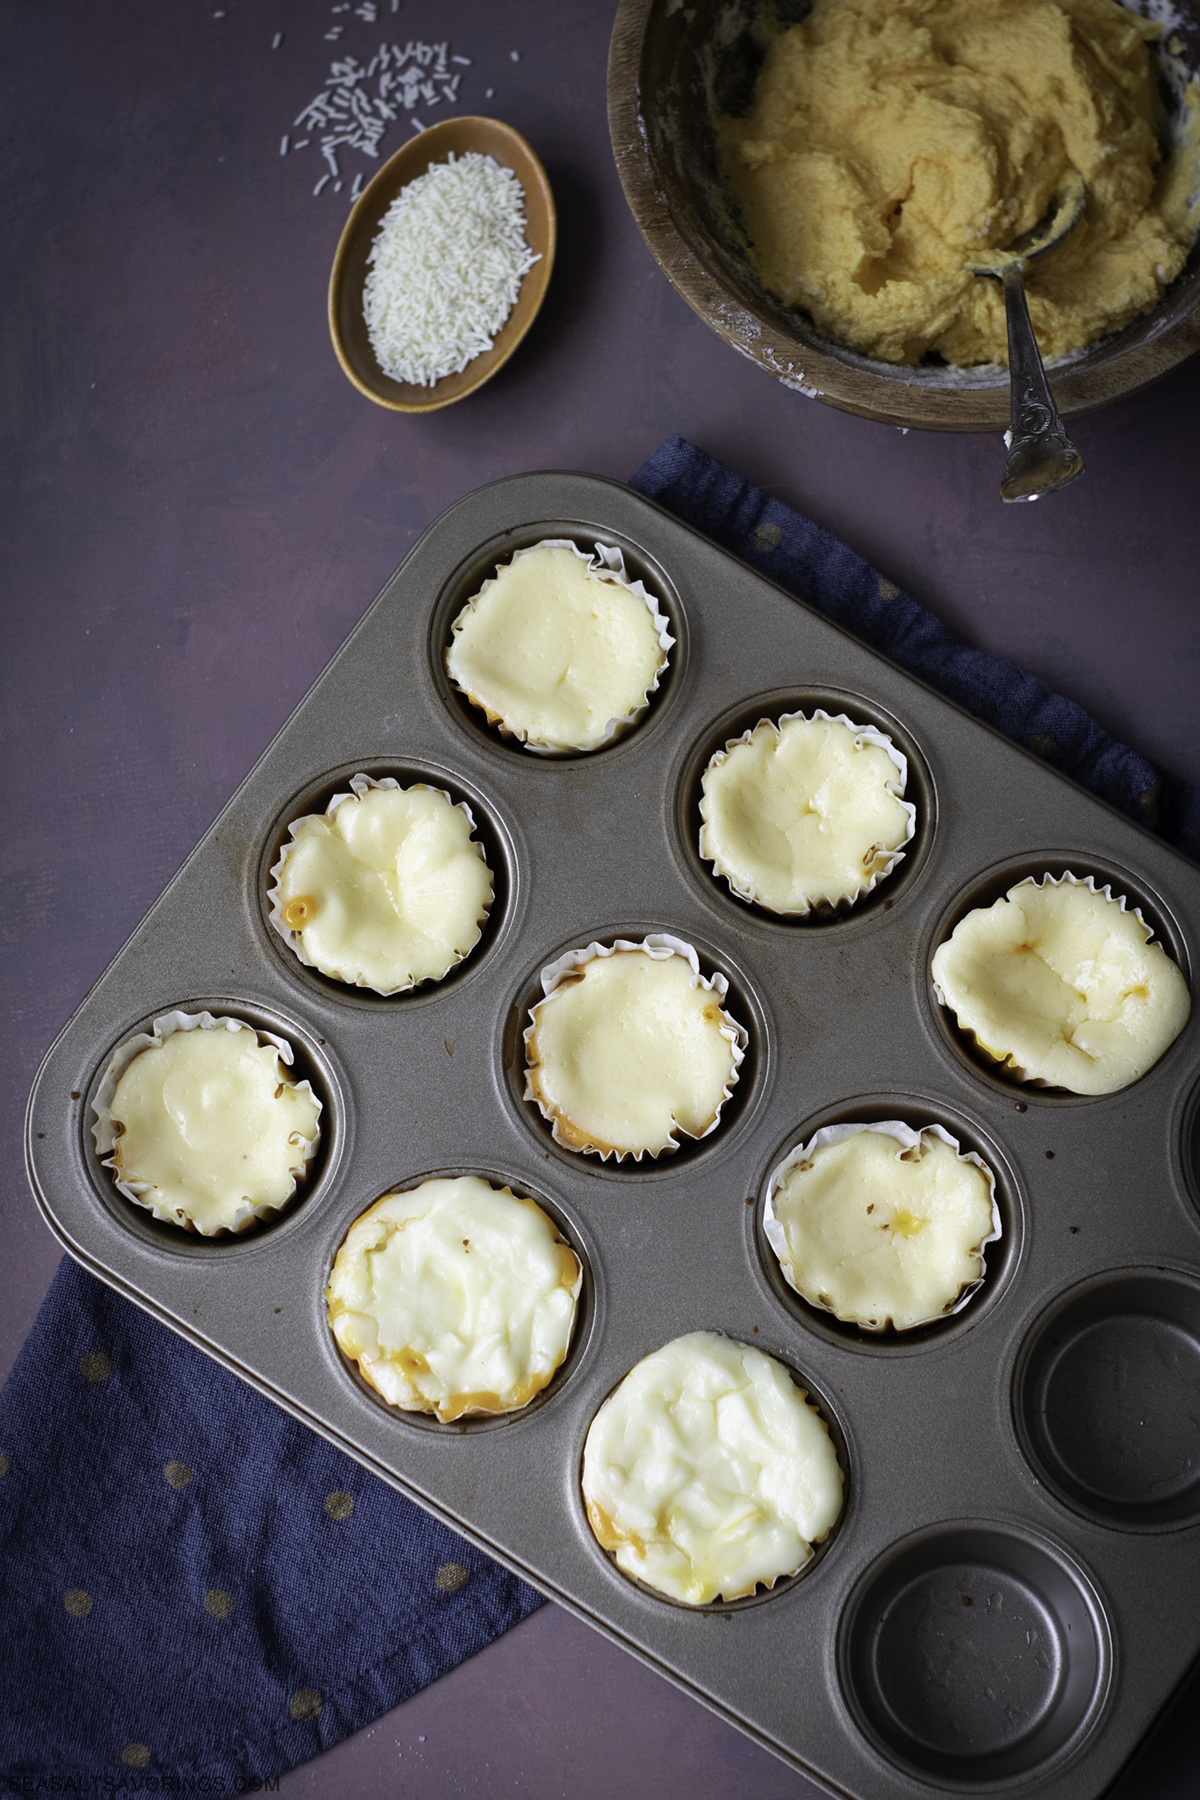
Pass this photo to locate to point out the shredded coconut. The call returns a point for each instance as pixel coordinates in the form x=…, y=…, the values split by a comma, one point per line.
x=357, y=103
x=447, y=268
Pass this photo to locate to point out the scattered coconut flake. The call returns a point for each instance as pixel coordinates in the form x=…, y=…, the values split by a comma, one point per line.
x=359, y=101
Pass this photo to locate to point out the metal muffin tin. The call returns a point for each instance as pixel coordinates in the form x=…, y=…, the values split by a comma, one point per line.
x=1013, y=1590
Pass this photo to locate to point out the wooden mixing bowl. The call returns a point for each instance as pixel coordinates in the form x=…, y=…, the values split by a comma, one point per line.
x=663, y=143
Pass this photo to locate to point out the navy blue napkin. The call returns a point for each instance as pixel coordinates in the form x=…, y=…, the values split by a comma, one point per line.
x=816, y=567
x=194, y=1585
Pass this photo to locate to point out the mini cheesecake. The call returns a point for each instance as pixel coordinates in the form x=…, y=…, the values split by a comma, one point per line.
x=708, y=1473
x=386, y=889
x=882, y=1225
x=807, y=814
x=560, y=649
x=631, y=1049
x=454, y=1298
x=200, y=1124
x=1062, y=985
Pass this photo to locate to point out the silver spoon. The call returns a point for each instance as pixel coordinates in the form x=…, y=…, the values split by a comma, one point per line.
x=1041, y=457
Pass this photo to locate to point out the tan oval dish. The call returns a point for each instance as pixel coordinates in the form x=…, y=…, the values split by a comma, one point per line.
x=348, y=326
x=658, y=71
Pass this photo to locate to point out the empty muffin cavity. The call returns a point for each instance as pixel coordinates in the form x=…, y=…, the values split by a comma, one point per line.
x=1104, y=1398
x=975, y=1655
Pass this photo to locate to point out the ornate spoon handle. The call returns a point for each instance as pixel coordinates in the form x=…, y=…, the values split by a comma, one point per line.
x=1041, y=456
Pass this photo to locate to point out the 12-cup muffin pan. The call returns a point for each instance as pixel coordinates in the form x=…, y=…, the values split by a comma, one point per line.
x=1012, y=1592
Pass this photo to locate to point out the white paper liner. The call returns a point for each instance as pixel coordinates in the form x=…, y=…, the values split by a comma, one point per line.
x=660, y=946
x=105, y=1138
x=909, y=1138
x=1005, y=1061
x=606, y=560
x=820, y=903
x=360, y=785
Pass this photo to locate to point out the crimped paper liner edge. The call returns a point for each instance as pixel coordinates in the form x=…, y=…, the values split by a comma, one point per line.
x=659, y=945
x=606, y=559
x=360, y=785
x=470, y=1412
x=909, y=1137
x=164, y=1027
x=821, y=903
x=1011, y=1069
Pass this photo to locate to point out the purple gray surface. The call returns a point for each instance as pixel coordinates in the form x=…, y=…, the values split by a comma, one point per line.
x=197, y=507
